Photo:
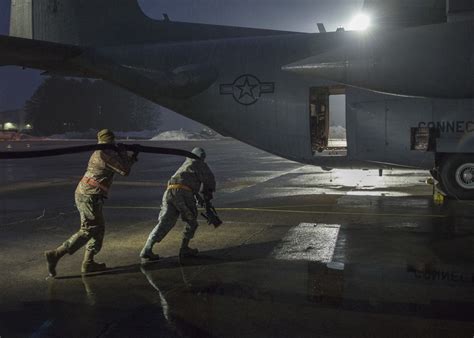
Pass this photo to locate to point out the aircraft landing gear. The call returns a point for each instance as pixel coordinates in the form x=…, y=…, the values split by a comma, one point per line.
x=456, y=176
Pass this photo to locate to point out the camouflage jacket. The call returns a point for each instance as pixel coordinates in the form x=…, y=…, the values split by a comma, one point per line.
x=194, y=174
x=101, y=169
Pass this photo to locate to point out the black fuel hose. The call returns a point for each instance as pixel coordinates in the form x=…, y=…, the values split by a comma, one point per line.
x=137, y=148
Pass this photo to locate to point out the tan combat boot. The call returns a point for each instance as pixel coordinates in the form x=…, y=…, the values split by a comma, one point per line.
x=147, y=254
x=53, y=257
x=186, y=251
x=89, y=266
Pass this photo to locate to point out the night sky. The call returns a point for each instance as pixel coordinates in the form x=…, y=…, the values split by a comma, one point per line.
x=17, y=85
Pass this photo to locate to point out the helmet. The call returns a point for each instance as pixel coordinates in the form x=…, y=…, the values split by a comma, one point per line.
x=199, y=152
x=105, y=136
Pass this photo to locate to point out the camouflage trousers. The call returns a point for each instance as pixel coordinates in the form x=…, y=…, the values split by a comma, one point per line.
x=92, y=228
x=176, y=202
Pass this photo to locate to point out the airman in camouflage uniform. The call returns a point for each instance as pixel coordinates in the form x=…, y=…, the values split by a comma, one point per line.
x=90, y=194
x=192, y=178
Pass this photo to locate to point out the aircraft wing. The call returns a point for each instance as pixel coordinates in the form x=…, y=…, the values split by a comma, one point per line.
x=35, y=54
x=405, y=13
x=67, y=60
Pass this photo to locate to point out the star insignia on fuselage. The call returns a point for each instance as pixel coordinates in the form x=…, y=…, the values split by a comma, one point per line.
x=247, y=89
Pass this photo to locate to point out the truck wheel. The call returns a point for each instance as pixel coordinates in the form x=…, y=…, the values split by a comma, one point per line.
x=457, y=176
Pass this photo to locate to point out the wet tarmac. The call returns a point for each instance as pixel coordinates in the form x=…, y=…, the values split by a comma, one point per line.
x=303, y=253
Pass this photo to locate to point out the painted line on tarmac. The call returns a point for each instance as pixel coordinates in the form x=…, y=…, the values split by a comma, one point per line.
x=308, y=242
x=132, y=208
x=268, y=179
x=301, y=212
x=332, y=213
x=299, y=206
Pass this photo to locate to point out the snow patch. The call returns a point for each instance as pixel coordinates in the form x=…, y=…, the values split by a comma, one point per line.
x=14, y=136
x=154, y=135
x=92, y=135
x=337, y=132
x=183, y=135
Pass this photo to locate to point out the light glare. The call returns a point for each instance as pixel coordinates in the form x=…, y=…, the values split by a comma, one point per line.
x=9, y=126
x=361, y=22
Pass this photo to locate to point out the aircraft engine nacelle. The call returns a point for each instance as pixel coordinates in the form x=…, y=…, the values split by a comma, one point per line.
x=430, y=61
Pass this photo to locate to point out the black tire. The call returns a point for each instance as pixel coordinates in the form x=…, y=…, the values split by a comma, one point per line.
x=457, y=176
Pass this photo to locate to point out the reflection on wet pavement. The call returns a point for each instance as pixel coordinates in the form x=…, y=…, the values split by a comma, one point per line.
x=309, y=242
x=300, y=255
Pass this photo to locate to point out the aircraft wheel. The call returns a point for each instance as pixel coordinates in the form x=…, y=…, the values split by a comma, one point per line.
x=457, y=176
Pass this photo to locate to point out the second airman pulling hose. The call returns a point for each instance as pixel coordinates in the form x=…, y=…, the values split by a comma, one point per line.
x=137, y=148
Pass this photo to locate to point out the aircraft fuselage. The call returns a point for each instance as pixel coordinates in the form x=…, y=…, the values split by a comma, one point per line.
x=251, y=96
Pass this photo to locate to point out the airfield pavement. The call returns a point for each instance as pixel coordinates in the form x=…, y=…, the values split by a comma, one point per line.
x=302, y=253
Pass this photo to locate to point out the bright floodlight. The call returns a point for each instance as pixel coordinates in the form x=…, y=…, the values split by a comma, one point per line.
x=360, y=22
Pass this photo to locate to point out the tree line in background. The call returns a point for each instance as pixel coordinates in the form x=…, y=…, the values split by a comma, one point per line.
x=61, y=105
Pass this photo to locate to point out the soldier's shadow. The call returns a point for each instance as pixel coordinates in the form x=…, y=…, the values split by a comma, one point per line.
x=241, y=253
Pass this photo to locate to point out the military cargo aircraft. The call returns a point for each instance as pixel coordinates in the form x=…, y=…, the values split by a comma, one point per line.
x=407, y=80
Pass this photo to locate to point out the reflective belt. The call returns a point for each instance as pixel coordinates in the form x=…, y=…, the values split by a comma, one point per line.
x=94, y=183
x=179, y=187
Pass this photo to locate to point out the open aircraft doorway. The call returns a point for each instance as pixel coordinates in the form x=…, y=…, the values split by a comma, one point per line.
x=328, y=121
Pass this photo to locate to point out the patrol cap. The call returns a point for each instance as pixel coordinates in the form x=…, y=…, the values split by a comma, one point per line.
x=105, y=136
x=199, y=152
